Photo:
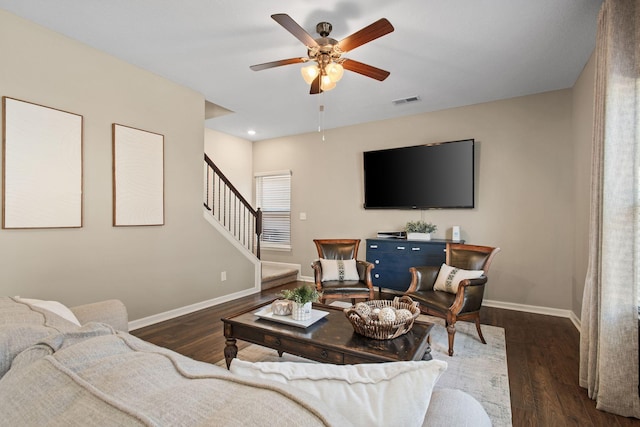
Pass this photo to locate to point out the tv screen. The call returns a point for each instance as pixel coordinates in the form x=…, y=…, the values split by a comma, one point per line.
x=433, y=176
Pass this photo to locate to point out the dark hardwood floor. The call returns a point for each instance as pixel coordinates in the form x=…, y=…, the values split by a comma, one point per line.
x=542, y=359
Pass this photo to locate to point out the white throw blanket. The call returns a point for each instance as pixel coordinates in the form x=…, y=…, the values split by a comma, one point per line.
x=97, y=377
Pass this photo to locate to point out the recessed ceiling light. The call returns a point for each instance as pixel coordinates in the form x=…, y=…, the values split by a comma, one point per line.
x=251, y=132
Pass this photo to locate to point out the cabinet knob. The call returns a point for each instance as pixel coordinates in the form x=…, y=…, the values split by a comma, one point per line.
x=415, y=249
x=400, y=248
x=377, y=276
x=373, y=246
x=377, y=261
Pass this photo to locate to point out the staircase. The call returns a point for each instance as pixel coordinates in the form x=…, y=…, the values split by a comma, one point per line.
x=242, y=223
x=231, y=210
x=275, y=275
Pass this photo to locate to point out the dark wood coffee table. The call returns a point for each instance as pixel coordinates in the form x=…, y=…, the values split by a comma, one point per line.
x=329, y=340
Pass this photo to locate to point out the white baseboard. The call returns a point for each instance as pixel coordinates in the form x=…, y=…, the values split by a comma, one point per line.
x=156, y=318
x=516, y=307
x=548, y=311
x=181, y=311
x=576, y=321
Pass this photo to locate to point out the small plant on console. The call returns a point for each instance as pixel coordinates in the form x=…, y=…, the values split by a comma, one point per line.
x=420, y=227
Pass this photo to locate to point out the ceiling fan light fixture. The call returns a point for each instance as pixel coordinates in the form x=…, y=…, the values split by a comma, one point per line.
x=327, y=52
x=310, y=73
x=326, y=83
x=334, y=71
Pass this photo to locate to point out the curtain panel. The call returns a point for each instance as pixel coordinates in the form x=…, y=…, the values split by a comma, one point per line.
x=609, y=321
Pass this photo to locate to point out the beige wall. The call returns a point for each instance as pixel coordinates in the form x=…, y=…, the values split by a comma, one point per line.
x=524, y=198
x=532, y=186
x=583, y=98
x=233, y=156
x=152, y=269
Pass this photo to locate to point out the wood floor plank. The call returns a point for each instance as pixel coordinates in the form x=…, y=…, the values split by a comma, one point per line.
x=542, y=359
x=520, y=379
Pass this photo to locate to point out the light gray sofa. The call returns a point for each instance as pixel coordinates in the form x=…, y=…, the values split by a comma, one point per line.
x=81, y=367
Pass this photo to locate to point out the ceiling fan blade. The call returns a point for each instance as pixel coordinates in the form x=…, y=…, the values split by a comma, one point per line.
x=371, y=32
x=365, y=70
x=266, y=65
x=315, y=86
x=292, y=26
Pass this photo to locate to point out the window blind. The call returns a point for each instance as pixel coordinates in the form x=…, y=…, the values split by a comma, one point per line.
x=273, y=197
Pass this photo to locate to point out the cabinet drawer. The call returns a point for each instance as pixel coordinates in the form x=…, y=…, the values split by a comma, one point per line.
x=309, y=351
x=388, y=247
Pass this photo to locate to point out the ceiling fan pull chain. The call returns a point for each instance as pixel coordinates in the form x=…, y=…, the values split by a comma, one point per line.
x=321, y=119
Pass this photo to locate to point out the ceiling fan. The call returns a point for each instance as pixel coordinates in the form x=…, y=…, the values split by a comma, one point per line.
x=326, y=53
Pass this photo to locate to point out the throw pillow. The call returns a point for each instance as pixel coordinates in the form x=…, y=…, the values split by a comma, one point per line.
x=339, y=269
x=367, y=394
x=52, y=306
x=449, y=278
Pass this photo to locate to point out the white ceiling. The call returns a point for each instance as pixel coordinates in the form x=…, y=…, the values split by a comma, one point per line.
x=449, y=53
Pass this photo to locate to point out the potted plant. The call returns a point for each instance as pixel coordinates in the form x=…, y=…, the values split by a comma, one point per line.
x=301, y=299
x=419, y=230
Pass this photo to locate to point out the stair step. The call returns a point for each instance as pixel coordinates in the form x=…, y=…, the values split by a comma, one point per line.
x=273, y=276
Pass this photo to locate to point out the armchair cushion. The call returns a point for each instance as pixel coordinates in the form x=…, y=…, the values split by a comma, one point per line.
x=434, y=300
x=449, y=277
x=343, y=287
x=339, y=269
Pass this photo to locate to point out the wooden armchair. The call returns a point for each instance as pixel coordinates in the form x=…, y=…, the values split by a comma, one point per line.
x=466, y=303
x=347, y=284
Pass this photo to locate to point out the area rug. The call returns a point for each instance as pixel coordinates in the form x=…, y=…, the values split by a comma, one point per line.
x=480, y=370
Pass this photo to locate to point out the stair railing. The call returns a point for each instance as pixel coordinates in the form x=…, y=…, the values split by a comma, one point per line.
x=231, y=209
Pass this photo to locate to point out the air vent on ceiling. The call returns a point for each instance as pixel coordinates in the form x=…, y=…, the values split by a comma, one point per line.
x=406, y=100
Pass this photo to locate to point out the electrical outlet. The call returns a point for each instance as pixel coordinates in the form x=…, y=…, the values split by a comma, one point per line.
x=223, y=276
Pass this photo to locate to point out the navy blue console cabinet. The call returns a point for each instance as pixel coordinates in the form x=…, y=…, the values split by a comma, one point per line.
x=392, y=259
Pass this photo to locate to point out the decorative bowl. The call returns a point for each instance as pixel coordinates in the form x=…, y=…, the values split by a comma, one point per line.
x=365, y=324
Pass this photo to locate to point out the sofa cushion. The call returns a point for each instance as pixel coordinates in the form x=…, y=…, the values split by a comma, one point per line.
x=450, y=277
x=96, y=376
x=339, y=269
x=451, y=407
x=368, y=394
x=22, y=325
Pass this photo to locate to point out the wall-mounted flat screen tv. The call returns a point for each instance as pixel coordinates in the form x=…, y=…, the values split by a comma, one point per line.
x=432, y=176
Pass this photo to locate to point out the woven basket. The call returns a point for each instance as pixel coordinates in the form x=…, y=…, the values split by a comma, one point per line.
x=381, y=330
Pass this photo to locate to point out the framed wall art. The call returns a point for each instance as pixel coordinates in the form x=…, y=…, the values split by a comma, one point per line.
x=41, y=166
x=138, y=177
